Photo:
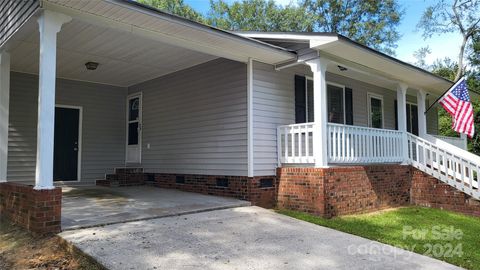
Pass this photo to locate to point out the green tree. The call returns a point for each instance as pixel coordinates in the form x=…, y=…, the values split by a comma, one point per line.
x=369, y=22
x=420, y=56
x=461, y=16
x=447, y=68
x=257, y=15
x=177, y=7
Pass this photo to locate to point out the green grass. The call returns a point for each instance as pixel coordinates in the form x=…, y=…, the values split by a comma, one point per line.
x=391, y=226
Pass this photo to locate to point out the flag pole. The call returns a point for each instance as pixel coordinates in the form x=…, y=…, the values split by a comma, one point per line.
x=453, y=86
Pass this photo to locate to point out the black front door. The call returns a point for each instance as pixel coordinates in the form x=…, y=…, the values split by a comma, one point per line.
x=65, y=157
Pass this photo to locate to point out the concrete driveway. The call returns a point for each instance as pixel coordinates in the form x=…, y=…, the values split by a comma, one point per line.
x=238, y=238
x=94, y=206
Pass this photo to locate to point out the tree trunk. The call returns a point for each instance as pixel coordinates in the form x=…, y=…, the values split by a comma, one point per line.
x=460, y=59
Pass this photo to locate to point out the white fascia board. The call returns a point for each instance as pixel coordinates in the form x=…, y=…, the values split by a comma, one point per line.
x=322, y=42
x=281, y=36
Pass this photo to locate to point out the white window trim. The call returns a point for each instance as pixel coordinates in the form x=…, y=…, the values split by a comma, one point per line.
x=369, y=107
x=343, y=102
x=328, y=83
x=140, y=125
x=80, y=133
x=306, y=96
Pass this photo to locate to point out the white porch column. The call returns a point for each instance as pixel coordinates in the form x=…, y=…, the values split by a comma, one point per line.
x=319, y=67
x=4, y=110
x=50, y=24
x=402, y=116
x=422, y=117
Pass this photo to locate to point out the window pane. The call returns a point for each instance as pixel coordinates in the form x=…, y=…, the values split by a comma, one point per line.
x=300, y=102
x=376, y=112
x=310, y=100
x=335, y=104
x=133, y=133
x=133, y=109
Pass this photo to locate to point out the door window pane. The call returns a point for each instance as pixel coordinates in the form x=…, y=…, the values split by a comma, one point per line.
x=335, y=104
x=414, y=117
x=133, y=133
x=133, y=109
x=376, y=117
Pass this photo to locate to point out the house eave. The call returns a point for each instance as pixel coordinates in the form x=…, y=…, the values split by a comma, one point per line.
x=149, y=22
x=341, y=47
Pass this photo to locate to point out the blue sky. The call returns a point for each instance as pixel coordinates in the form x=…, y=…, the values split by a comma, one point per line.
x=446, y=45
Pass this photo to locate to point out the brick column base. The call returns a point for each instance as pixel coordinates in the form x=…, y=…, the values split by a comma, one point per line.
x=38, y=211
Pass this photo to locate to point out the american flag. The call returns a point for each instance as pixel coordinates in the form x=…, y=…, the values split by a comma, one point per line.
x=457, y=102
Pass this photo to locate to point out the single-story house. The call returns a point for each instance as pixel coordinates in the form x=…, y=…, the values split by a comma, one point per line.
x=113, y=92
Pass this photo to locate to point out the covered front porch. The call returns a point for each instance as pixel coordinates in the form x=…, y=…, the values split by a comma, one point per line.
x=88, y=89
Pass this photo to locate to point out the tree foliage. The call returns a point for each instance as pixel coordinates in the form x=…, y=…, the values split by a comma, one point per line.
x=461, y=16
x=177, y=7
x=257, y=15
x=420, y=56
x=369, y=22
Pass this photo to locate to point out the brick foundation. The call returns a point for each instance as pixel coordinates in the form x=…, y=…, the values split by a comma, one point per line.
x=326, y=192
x=36, y=210
x=343, y=190
x=240, y=187
x=430, y=192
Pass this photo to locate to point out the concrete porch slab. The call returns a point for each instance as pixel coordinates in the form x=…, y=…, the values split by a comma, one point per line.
x=84, y=207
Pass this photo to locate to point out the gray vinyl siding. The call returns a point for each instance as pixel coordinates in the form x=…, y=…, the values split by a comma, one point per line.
x=13, y=13
x=274, y=105
x=103, y=129
x=195, y=120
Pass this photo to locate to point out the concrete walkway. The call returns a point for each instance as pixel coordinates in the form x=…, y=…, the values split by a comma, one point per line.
x=94, y=206
x=238, y=238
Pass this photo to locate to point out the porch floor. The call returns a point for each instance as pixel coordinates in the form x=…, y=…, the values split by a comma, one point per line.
x=96, y=206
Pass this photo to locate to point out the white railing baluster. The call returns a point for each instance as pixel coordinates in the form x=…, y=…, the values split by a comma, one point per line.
x=459, y=171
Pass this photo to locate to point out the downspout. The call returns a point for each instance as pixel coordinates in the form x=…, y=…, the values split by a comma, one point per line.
x=250, y=171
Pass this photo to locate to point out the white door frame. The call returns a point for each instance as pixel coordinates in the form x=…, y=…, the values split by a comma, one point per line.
x=369, y=108
x=79, y=152
x=140, y=129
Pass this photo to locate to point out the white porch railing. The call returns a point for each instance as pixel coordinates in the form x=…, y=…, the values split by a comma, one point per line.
x=346, y=144
x=295, y=143
x=361, y=145
x=453, y=166
x=354, y=144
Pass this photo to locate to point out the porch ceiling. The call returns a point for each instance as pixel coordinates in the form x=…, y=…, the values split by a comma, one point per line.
x=124, y=58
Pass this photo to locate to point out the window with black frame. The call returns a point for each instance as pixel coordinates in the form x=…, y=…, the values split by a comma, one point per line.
x=339, y=102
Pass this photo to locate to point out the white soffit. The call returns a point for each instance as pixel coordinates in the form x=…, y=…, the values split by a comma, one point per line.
x=123, y=58
x=175, y=31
